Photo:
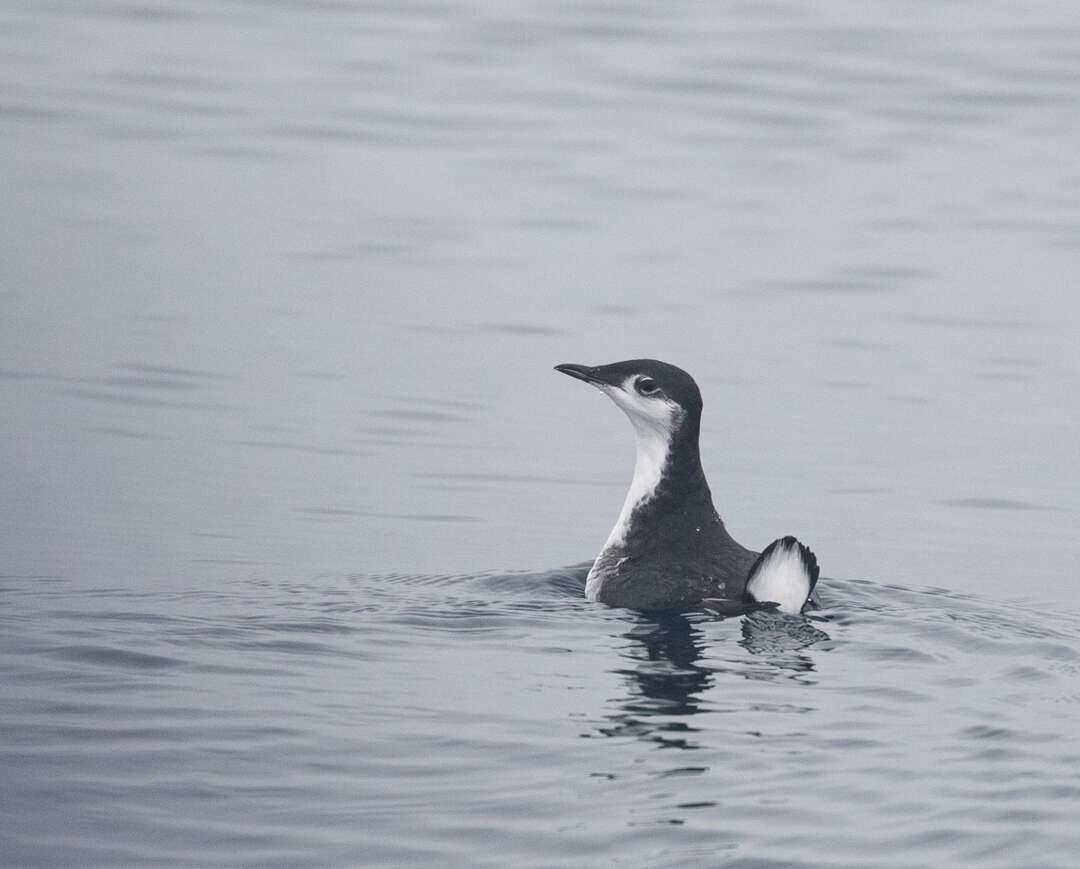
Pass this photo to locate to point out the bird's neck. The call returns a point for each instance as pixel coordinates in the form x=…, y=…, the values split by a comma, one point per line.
x=668, y=479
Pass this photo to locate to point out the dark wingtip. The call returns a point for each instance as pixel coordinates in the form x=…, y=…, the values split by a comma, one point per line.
x=809, y=561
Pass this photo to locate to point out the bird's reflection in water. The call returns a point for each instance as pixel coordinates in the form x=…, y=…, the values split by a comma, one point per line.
x=668, y=676
x=665, y=679
x=780, y=640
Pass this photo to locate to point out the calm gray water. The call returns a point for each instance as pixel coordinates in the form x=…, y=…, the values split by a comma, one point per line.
x=293, y=509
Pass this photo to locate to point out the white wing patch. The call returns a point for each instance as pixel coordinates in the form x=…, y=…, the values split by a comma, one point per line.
x=780, y=575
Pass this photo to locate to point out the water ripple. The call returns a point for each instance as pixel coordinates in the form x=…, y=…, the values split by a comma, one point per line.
x=295, y=706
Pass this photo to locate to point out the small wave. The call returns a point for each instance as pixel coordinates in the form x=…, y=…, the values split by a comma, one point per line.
x=114, y=657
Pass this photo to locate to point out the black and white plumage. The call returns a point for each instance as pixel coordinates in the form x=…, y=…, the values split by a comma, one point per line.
x=669, y=548
x=782, y=578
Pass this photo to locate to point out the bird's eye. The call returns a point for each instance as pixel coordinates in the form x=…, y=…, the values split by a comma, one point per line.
x=646, y=386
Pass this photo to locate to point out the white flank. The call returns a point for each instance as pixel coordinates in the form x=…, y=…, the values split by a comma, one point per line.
x=781, y=578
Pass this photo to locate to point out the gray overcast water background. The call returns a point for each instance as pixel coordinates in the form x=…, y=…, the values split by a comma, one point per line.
x=294, y=508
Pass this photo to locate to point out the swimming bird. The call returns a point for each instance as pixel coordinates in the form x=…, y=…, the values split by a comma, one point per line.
x=669, y=548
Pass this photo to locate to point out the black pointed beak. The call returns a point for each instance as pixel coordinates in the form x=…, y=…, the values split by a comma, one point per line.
x=579, y=372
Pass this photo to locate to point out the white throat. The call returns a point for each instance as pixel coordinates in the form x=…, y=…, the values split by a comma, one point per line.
x=653, y=447
x=655, y=422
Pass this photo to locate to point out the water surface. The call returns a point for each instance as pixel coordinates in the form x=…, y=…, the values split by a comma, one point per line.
x=288, y=483
x=500, y=719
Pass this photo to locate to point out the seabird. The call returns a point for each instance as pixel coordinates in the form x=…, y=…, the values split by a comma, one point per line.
x=669, y=548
